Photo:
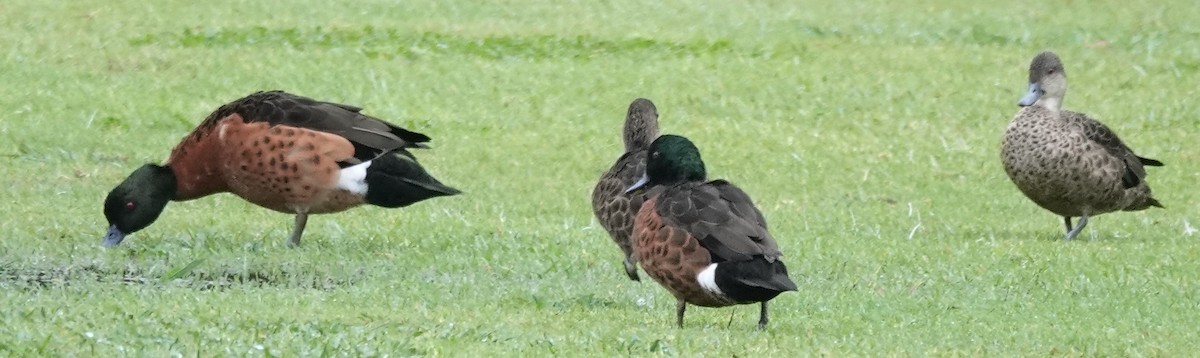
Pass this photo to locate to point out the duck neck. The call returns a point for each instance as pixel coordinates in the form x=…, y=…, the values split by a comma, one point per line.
x=639, y=133
x=198, y=167
x=1053, y=104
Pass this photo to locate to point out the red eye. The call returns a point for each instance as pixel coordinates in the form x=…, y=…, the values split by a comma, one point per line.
x=129, y=206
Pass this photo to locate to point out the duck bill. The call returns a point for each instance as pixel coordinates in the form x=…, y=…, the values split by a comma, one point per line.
x=639, y=184
x=114, y=236
x=1031, y=97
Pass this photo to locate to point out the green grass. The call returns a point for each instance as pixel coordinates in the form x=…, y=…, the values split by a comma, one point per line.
x=867, y=132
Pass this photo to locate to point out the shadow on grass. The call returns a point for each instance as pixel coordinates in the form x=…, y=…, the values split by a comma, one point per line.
x=42, y=278
x=1049, y=234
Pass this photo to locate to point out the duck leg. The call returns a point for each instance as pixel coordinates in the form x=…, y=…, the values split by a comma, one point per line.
x=297, y=230
x=762, y=317
x=1083, y=220
x=680, y=306
x=1067, y=220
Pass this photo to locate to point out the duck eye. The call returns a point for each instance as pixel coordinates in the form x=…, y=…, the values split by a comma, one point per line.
x=129, y=206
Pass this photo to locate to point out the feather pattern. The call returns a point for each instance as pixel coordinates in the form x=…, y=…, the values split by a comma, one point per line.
x=371, y=137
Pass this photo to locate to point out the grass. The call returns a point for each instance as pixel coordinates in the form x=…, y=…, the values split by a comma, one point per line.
x=867, y=132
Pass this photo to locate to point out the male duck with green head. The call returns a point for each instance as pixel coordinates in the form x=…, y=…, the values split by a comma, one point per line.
x=704, y=241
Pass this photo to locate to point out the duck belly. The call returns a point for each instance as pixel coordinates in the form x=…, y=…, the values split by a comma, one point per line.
x=1063, y=172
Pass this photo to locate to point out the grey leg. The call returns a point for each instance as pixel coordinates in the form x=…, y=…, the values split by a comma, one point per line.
x=298, y=230
x=1067, y=220
x=1083, y=220
x=680, y=306
x=762, y=317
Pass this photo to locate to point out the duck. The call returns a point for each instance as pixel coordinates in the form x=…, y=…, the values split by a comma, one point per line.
x=704, y=241
x=1067, y=162
x=614, y=208
x=283, y=152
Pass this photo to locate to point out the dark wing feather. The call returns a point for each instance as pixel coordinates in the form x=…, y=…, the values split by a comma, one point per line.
x=1106, y=138
x=371, y=136
x=721, y=217
x=739, y=202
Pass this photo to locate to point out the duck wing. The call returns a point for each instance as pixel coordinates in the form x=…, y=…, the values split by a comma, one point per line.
x=721, y=217
x=370, y=136
x=1097, y=132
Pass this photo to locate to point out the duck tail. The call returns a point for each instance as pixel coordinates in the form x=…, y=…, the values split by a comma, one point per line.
x=754, y=280
x=1150, y=162
x=1144, y=203
x=397, y=180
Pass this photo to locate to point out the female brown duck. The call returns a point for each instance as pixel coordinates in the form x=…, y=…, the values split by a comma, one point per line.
x=1067, y=162
x=612, y=205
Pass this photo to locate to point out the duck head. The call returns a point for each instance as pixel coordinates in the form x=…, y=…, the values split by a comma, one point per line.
x=136, y=202
x=641, y=125
x=672, y=160
x=1047, y=82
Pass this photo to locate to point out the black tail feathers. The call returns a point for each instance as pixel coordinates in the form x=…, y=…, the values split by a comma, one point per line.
x=1150, y=162
x=756, y=280
x=396, y=180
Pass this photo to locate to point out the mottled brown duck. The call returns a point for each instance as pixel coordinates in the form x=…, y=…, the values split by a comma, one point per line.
x=613, y=207
x=1067, y=162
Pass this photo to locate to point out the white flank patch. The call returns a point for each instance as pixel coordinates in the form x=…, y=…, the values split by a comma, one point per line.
x=707, y=279
x=354, y=178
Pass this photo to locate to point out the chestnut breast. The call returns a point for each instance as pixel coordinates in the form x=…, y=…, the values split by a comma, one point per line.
x=283, y=168
x=672, y=256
